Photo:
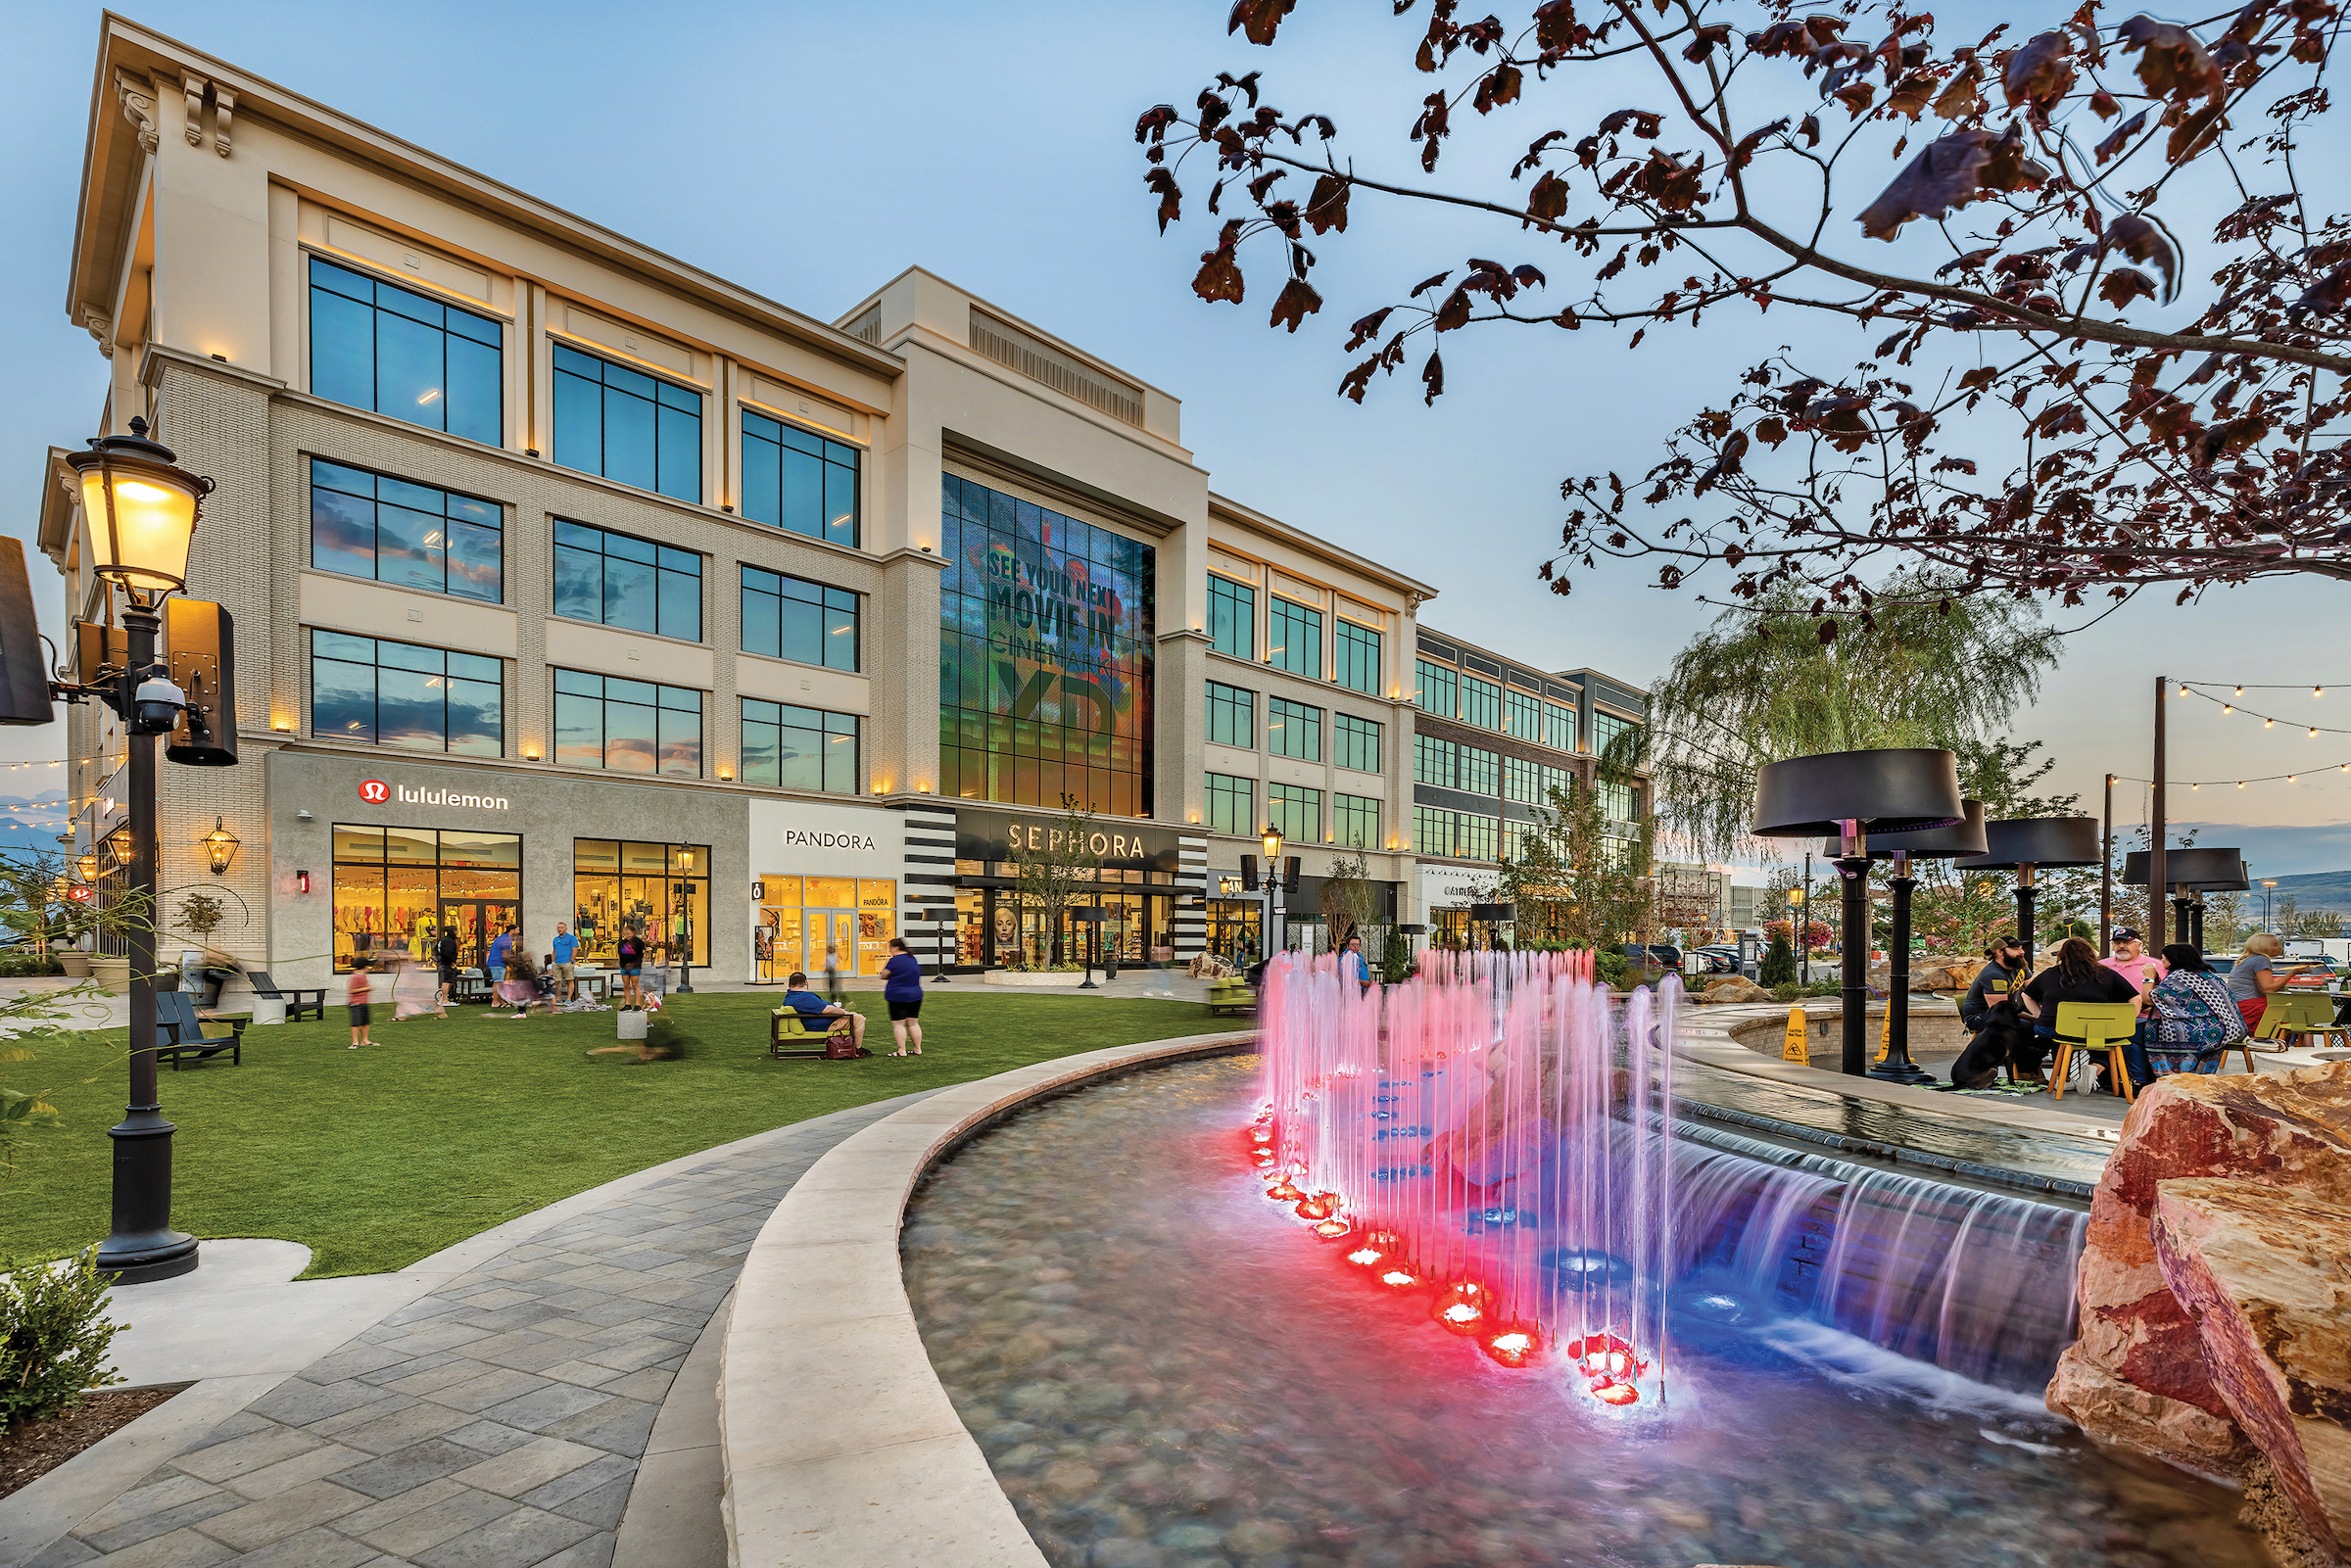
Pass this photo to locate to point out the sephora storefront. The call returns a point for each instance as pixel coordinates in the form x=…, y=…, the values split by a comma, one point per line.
x=1135, y=888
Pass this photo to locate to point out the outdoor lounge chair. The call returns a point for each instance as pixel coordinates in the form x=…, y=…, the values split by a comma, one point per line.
x=2091, y=1029
x=180, y=1034
x=297, y=1008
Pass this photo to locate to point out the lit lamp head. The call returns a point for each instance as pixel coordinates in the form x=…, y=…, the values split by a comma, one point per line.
x=87, y=865
x=142, y=508
x=220, y=849
x=1271, y=841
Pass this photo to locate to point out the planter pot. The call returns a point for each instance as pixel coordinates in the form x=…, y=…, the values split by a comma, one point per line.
x=112, y=972
x=268, y=1010
x=76, y=965
x=632, y=1025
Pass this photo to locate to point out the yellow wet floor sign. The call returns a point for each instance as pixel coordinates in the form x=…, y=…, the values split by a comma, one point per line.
x=1795, y=1049
x=1884, y=1022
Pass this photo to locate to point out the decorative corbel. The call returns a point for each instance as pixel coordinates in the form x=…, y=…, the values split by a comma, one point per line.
x=193, y=127
x=102, y=327
x=138, y=107
x=224, y=107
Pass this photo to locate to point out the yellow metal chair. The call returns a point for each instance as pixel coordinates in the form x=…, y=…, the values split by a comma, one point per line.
x=2307, y=1014
x=2090, y=1027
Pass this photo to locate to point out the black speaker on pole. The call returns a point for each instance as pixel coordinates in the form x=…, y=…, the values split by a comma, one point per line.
x=23, y=671
x=1249, y=874
x=203, y=651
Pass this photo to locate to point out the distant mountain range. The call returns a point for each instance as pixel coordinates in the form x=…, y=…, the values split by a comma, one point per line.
x=2321, y=889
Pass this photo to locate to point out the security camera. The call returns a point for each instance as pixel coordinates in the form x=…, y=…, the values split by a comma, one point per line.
x=156, y=705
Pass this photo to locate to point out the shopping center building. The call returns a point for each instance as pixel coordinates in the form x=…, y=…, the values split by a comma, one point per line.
x=572, y=583
x=1493, y=739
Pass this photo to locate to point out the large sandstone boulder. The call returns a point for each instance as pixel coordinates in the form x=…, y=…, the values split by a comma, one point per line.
x=2138, y=1377
x=1949, y=974
x=1735, y=988
x=2266, y=1277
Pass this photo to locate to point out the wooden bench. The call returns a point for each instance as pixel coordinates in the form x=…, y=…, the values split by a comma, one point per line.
x=1231, y=996
x=180, y=1034
x=789, y=1035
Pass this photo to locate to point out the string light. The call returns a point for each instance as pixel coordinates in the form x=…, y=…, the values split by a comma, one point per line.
x=2318, y=690
x=2241, y=690
x=2269, y=724
x=2225, y=708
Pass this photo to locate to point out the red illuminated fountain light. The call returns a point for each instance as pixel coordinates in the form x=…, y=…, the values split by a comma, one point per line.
x=1461, y=1309
x=1513, y=1345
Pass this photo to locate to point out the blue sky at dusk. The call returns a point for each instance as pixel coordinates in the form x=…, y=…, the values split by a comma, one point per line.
x=810, y=152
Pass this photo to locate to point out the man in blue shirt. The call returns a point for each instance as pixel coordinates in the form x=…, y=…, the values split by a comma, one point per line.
x=559, y=955
x=1352, y=965
x=499, y=946
x=815, y=1011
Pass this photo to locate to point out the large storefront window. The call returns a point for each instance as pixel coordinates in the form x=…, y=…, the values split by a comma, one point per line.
x=659, y=891
x=394, y=889
x=1045, y=656
x=802, y=918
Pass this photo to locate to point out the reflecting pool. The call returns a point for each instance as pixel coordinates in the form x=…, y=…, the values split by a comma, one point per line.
x=1166, y=1370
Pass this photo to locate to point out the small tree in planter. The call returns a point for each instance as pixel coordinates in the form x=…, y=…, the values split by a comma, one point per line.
x=1049, y=874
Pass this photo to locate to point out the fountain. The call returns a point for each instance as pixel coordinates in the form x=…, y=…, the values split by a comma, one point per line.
x=1450, y=1273
x=1501, y=1134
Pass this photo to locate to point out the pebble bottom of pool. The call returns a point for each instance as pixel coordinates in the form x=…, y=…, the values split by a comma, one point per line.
x=1166, y=1371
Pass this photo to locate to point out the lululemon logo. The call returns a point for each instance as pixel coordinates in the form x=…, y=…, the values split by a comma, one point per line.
x=375, y=791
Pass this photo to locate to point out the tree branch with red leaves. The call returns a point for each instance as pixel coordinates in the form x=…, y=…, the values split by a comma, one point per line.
x=2058, y=409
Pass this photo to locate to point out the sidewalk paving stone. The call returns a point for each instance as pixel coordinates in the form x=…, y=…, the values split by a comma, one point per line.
x=495, y=1423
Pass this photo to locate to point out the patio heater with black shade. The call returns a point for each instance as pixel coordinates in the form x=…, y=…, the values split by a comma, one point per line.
x=1963, y=837
x=2026, y=845
x=1090, y=917
x=141, y=511
x=1850, y=794
x=2193, y=873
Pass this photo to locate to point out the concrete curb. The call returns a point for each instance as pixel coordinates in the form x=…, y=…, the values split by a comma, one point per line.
x=1705, y=1038
x=839, y=1443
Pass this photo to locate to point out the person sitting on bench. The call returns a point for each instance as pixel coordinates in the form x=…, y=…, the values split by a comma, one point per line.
x=814, y=1010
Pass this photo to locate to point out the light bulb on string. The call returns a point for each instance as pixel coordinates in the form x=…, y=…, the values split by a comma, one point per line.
x=2225, y=708
x=2241, y=690
x=2318, y=690
x=2241, y=784
x=2269, y=724
x=2289, y=778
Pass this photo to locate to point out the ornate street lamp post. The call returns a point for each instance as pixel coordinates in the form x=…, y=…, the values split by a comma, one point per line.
x=141, y=508
x=1271, y=842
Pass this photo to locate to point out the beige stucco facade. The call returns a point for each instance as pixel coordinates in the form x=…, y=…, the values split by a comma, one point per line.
x=207, y=194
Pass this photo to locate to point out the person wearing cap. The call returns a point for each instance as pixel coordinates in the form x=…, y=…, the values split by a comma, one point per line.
x=2133, y=963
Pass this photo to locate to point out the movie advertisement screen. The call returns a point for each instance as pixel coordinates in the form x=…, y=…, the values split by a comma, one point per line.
x=1044, y=657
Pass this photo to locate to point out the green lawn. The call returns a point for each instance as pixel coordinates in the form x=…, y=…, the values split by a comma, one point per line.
x=376, y=1157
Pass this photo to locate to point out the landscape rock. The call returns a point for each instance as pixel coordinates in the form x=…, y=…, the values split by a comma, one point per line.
x=2137, y=1376
x=2265, y=1276
x=1735, y=988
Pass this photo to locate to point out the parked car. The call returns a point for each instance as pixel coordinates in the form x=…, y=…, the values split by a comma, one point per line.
x=1712, y=961
x=1652, y=955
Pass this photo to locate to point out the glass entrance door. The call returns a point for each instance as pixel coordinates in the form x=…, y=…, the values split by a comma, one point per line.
x=477, y=925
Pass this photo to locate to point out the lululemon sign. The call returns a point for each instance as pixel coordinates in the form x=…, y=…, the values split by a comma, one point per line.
x=376, y=792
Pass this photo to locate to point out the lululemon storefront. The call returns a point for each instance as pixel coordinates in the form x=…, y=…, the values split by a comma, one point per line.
x=377, y=856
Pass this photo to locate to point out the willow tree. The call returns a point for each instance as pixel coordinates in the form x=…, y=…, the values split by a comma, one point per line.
x=1773, y=682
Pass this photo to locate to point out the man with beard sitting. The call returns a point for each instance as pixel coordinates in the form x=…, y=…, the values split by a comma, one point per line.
x=2003, y=1033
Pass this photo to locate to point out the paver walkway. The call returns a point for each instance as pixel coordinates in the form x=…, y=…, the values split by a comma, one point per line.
x=497, y=1423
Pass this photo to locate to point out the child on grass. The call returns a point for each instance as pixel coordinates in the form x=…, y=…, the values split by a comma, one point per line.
x=359, y=990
